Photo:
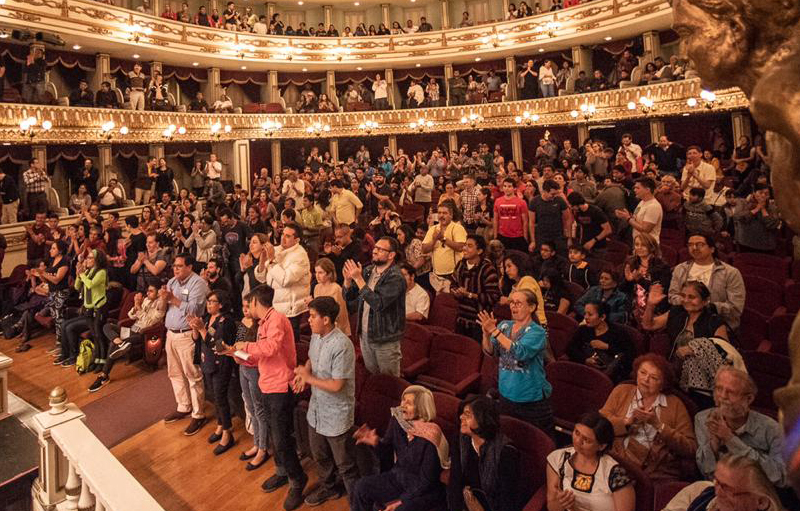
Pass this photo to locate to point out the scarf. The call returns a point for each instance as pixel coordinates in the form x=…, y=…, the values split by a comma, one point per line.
x=429, y=431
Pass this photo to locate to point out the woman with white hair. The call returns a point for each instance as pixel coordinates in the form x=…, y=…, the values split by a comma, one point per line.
x=420, y=452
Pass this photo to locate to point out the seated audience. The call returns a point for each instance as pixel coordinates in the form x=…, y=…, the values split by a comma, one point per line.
x=652, y=428
x=517, y=272
x=198, y=104
x=579, y=272
x=608, y=292
x=418, y=301
x=643, y=269
x=224, y=104
x=601, y=344
x=83, y=96
x=557, y=297
x=757, y=222
x=105, y=97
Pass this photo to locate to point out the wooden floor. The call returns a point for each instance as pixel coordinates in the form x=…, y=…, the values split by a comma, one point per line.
x=180, y=472
x=33, y=375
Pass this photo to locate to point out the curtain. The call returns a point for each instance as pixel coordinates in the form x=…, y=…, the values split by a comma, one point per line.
x=418, y=73
x=226, y=77
x=186, y=149
x=196, y=74
x=71, y=152
x=18, y=154
x=70, y=60
x=299, y=79
x=130, y=151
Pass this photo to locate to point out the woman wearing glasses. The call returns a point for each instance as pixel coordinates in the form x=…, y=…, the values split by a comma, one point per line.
x=215, y=334
x=520, y=345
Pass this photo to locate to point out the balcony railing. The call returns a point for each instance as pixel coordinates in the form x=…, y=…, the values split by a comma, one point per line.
x=5, y=363
x=76, y=471
x=105, y=26
x=83, y=125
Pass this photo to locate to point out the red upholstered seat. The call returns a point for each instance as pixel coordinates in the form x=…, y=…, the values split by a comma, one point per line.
x=637, y=338
x=380, y=393
x=778, y=328
x=762, y=294
x=255, y=108
x=447, y=417
x=412, y=213
x=616, y=251
x=444, y=311
x=273, y=108
x=664, y=491
x=454, y=367
x=489, y=375
x=415, y=348
x=534, y=446
x=577, y=389
x=770, y=267
x=560, y=329
x=770, y=371
x=791, y=295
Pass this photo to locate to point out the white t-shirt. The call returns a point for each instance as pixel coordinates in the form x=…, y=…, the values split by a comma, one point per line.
x=418, y=300
x=707, y=173
x=379, y=88
x=649, y=211
x=213, y=169
x=593, y=492
x=417, y=93
x=701, y=273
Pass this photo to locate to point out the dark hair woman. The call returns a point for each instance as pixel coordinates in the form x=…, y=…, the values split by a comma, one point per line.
x=601, y=344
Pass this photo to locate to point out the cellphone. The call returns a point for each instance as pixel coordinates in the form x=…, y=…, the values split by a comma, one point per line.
x=220, y=346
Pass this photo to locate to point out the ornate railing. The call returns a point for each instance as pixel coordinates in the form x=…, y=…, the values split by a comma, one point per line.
x=76, y=471
x=82, y=125
x=5, y=363
x=106, y=25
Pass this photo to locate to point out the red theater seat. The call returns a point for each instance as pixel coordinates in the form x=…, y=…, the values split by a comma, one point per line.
x=560, y=329
x=770, y=371
x=415, y=348
x=770, y=267
x=380, y=393
x=454, y=368
x=534, y=446
x=444, y=311
x=577, y=389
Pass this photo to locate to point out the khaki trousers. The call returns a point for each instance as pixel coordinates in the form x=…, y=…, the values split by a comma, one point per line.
x=9, y=215
x=185, y=376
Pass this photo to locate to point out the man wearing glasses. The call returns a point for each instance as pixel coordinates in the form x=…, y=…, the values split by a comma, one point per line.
x=379, y=291
x=185, y=295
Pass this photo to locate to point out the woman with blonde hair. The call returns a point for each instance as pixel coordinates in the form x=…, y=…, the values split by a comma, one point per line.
x=420, y=452
x=643, y=269
x=325, y=273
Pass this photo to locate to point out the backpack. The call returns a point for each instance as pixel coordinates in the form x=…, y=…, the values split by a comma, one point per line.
x=85, y=356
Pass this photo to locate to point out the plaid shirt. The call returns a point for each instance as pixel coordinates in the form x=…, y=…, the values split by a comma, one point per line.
x=469, y=205
x=35, y=181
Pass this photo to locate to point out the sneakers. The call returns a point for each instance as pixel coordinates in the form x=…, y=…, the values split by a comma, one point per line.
x=320, y=496
x=194, y=426
x=59, y=360
x=274, y=482
x=295, y=496
x=99, y=383
x=175, y=417
x=68, y=362
x=120, y=350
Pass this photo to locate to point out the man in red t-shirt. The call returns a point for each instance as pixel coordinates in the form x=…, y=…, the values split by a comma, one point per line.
x=511, y=218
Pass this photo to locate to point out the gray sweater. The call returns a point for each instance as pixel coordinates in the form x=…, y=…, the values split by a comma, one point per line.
x=726, y=287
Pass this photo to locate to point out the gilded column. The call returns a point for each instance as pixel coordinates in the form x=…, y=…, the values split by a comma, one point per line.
x=275, y=152
x=330, y=84
x=516, y=146
x=511, y=79
x=582, y=59
x=652, y=46
x=156, y=150
x=105, y=162
x=385, y=15
x=212, y=86
x=657, y=129
x=241, y=163
x=270, y=9
x=448, y=73
x=452, y=141
x=583, y=134
x=389, y=75
x=742, y=127
x=328, y=12
x=155, y=66
x=102, y=71
x=334, y=149
x=272, y=83
x=393, y=145
x=445, y=5
x=225, y=155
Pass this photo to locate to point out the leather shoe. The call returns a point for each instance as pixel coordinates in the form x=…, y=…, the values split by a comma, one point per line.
x=175, y=417
x=194, y=426
x=251, y=466
x=244, y=456
x=214, y=438
x=294, y=498
x=220, y=449
x=274, y=482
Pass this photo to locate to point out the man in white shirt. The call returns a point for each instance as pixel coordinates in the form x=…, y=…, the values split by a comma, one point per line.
x=416, y=95
x=213, y=167
x=648, y=214
x=418, y=301
x=294, y=188
x=631, y=151
x=381, y=94
x=698, y=174
x=260, y=26
x=110, y=196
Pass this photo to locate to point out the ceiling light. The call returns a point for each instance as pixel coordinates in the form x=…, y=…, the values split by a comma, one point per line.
x=195, y=64
x=304, y=70
x=76, y=46
x=300, y=2
x=356, y=4
x=541, y=50
x=244, y=67
x=359, y=68
x=136, y=55
x=608, y=38
x=419, y=65
x=477, y=59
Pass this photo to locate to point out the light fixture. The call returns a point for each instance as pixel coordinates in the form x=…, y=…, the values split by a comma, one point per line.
x=494, y=39
x=418, y=64
x=76, y=46
x=4, y=34
x=318, y=129
x=107, y=130
x=339, y=52
x=288, y=52
x=368, y=126
x=244, y=67
x=28, y=127
x=359, y=68
x=300, y=2
x=552, y=27
x=195, y=64
x=526, y=118
x=137, y=32
x=645, y=105
x=587, y=111
x=708, y=100
x=356, y=4
x=136, y=55
x=608, y=38
x=472, y=119
x=241, y=50
x=420, y=125
x=169, y=132
x=477, y=59
x=270, y=127
x=305, y=69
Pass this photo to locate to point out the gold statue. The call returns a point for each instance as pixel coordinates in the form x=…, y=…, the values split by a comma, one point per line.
x=755, y=45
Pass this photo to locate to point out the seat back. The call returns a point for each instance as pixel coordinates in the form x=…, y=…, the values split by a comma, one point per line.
x=534, y=445
x=637, y=338
x=753, y=329
x=380, y=393
x=617, y=251
x=791, y=296
x=489, y=374
x=126, y=306
x=416, y=344
x=444, y=311
x=771, y=267
x=412, y=213
x=447, y=413
x=453, y=358
x=770, y=371
x=560, y=329
x=778, y=328
x=577, y=389
x=17, y=275
x=762, y=294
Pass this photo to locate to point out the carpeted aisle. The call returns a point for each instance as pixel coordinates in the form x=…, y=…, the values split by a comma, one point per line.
x=133, y=408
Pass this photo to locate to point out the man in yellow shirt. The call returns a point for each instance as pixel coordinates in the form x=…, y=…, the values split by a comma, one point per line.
x=446, y=240
x=345, y=206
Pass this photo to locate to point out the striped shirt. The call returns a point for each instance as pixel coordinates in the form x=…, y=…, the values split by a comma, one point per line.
x=481, y=279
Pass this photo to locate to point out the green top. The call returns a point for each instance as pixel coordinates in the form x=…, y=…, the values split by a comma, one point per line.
x=311, y=218
x=92, y=285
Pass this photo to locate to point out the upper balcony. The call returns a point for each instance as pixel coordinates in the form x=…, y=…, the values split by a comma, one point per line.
x=103, y=28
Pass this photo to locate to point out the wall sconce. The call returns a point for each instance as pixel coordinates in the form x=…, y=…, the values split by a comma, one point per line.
x=420, y=125
x=645, y=105
x=27, y=127
x=318, y=129
x=138, y=32
x=587, y=112
x=526, y=118
x=472, y=119
x=368, y=126
x=217, y=130
x=241, y=50
x=107, y=130
x=494, y=39
x=709, y=100
x=271, y=127
x=169, y=132
x=339, y=52
x=552, y=27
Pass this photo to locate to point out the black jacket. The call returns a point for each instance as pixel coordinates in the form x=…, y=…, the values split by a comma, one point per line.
x=8, y=190
x=387, y=313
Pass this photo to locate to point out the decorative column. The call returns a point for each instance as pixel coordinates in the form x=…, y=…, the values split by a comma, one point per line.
x=393, y=145
x=582, y=59
x=657, y=129
x=505, y=9
x=102, y=71
x=742, y=127
x=452, y=141
x=327, y=11
x=389, y=75
x=105, y=162
x=270, y=9
x=583, y=134
x=652, y=46
x=445, y=5
x=330, y=84
x=157, y=150
x=516, y=146
x=275, y=151
x=5, y=363
x=511, y=78
x=158, y=7
x=155, y=66
x=334, y=149
x=40, y=153
x=448, y=73
x=385, y=15
x=212, y=91
x=264, y=92
x=272, y=84
x=241, y=163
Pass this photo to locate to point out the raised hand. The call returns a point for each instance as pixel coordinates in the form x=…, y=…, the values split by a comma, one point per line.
x=655, y=295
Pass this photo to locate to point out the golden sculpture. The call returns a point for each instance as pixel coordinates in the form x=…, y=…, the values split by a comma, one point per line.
x=755, y=45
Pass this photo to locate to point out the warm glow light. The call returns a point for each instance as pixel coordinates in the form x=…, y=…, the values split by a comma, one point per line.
x=228, y=128
x=24, y=126
x=574, y=114
x=216, y=127
x=123, y=130
x=46, y=125
x=195, y=64
x=172, y=127
x=692, y=102
x=136, y=55
x=182, y=130
x=76, y=46
x=631, y=105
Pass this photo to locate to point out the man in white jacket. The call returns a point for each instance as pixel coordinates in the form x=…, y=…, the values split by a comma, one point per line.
x=288, y=272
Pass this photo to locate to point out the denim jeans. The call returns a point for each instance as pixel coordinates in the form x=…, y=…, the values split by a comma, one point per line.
x=248, y=379
x=382, y=358
x=548, y=90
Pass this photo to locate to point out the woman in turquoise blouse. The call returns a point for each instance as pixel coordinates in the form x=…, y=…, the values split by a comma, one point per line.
x=520, y=346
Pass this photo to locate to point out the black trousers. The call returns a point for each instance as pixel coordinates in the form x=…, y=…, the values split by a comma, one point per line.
x=37, y=203
x=519, y=243
x=279, y=408
x=538, y=413
x=295, y=322
x=383, y=488
x=220, y=380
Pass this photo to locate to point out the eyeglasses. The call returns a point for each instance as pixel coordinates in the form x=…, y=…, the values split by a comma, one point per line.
x=724, y=488
x=376, y=247
x=517, y=303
